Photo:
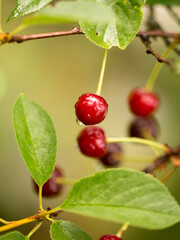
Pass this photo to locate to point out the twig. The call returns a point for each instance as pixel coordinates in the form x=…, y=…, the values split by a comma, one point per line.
x=163, y=160
x=146, y=41
x=74, y=31
x=22, y=38
x=38, y=217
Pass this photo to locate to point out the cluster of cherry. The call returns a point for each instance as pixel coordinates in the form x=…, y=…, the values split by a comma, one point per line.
x=92, y=109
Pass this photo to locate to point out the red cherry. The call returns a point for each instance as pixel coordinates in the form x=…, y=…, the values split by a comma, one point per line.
x=110, y=237
x=92, y=141
x=113, y=155
x=91, y=109
x=144, y=128
x=142, y=102
x=51, y=187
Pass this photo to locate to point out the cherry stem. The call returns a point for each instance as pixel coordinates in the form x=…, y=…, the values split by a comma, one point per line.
x=158, y=66
x=38, y=217
x=40, y=198
x=61, y=180
x=137, y=140
x=165, y=178
x=4, y=221
x=122, y=230
x=34, y=229
x=16, y=30
x=98, y=91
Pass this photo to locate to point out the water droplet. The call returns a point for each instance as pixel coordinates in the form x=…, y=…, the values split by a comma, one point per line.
x=79, y=122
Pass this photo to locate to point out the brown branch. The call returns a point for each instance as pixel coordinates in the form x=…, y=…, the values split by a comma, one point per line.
x=22, y=38
x=146, y=41
x=163, y=160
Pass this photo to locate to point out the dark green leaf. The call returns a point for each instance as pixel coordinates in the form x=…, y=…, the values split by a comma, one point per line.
x=166, y=2
x=121, y=29
x=36, y=138
x=65, y=230
x=13, y=236
x=23, y=7
x=69, y=12
x=122, y=195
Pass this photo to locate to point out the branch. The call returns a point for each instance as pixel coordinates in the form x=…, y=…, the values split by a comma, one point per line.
x=38, y=217
x=163, y=160
x=4, y=37
x=146, y=41
x=22, y=38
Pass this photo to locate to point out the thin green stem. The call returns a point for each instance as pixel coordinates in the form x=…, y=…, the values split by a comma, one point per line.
x=17, y=30
x=1, y=17
x=158, y=66
x=40, y=198
x=62, y=180
x=137, y=140
x=122, y=230
x=98, y=91
x=34, y=229
x=50, y=219
x=4, y=221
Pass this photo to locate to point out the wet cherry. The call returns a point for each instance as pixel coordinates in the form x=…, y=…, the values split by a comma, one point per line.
x=91, y=109
x=92, y=142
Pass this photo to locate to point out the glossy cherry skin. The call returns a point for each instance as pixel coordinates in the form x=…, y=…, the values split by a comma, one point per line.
x=113, y=155
x=147, y=128
x=91, y=109
x=110, y=237
x=142, y=102
x=51, y=187
x=92, y=142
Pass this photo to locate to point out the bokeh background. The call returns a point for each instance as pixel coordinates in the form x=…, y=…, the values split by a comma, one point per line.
x=54, y=73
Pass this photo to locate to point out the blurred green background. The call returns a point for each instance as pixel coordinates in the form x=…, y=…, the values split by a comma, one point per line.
x=54, y=73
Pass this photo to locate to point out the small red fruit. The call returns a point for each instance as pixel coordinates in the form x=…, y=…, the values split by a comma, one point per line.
x=51, y=187
x=91, y=109
x=92, y=141
x=110, y=237
x=142, y=102
x=113, y=155
x=147, y=128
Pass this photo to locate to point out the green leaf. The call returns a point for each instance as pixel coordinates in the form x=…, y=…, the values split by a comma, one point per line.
x=70, y=12
x=36, y=138
x=13, y=236
x=165, y=2
x=122, y=195
x=65, y=230
x=121, y=29
x=23, y=7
